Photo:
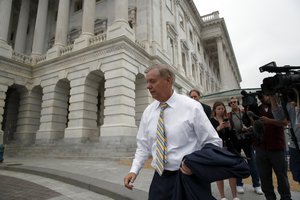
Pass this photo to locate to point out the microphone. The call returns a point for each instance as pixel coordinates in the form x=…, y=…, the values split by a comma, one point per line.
x=252, y=115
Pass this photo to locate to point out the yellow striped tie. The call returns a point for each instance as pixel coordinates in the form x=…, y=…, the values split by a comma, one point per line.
x=161, y=142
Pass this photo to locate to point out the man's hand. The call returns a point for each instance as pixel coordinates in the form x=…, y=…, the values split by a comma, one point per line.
x=129, y=179
x=185, y=170
x=265, y=120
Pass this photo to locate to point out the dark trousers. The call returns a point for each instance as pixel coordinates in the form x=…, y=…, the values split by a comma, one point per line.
x=249, y=152
x=266, y=161
x=162, y=187
x=295, y=163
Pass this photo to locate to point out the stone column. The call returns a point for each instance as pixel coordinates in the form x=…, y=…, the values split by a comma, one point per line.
x=119, y=112
x=142, y=30
x=156, y=22
x=222, y=64
x=61, y=31
x=22, y=27
x=88, y=24
x=5, y=13
x=40, y=28
x=83, y=109
x=120, y=26
x=29, y=116
x=54, y=112
x=164, y=41
x=3, y=89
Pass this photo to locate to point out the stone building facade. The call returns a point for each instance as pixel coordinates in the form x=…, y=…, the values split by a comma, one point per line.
x=72, y=71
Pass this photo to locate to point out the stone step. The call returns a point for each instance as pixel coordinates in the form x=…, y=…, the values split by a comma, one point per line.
x=84, y=151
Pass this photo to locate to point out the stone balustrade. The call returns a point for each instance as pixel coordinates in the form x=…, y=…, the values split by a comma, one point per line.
x=40, y=59
x=210, y=17
x=98, y=39
x=140, y=44
x=66, y=49
x=21, y=58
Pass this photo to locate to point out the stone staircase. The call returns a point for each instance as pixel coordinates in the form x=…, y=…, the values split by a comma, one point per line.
x=108, y=149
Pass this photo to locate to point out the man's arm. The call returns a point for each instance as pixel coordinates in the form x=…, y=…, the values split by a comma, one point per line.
x=277, y=110
x=141, y=155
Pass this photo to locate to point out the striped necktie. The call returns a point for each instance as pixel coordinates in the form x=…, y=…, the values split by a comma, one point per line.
x=161, y=142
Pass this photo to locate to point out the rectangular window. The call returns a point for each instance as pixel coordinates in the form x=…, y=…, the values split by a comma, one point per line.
x=191, y=36
x=77, y=5
x=171, y=49
x=198, y=46
x=183, y=61
x=181, y=22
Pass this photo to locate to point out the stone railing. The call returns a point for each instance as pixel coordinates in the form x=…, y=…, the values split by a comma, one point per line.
x=66, y=49
x=140, y=44
x=40, y=59
x=210, y=17
x=21, y=58
x=98, y=39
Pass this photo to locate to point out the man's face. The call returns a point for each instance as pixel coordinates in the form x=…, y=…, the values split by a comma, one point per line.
x=266, y=99
x=233, y=103
x=195, y=96
x=160, y=88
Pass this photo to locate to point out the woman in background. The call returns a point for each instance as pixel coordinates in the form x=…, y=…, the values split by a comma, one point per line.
x=220, y=122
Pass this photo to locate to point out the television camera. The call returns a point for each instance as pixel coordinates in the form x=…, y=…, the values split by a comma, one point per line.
x=286, y=80
x=286, y=85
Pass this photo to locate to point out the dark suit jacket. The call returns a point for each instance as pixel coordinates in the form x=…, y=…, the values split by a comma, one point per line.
x=207, y=110
x=208, y=165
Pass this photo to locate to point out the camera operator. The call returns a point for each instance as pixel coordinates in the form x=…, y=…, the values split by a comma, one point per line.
x=243, y=130
x=270, y=152
x=293, y=113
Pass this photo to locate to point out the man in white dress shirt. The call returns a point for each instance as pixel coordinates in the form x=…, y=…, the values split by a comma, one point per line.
x=186, y=126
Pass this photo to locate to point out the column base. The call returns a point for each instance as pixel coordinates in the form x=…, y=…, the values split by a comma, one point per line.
x=118, y=130
x=84, y=134
x=5, y=50
x=25, y=138
x=1, y=136
x=118, y=29
x=49, y=135
x=82, y=42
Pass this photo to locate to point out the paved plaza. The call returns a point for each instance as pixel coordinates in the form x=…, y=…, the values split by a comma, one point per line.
x=66, y=179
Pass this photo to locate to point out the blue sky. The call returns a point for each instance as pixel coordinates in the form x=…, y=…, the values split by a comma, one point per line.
x=261, y=31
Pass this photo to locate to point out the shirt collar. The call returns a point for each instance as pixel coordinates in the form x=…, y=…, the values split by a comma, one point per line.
x=171, y=101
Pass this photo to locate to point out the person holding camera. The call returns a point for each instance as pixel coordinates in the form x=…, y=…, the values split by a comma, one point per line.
x=242, y=126
x=270, y=153
x=294, y=122
x=221, y=123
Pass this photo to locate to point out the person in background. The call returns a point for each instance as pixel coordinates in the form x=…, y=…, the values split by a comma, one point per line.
x=220, y=122
x=270, y=153
x=195, y=94
x=242, y=127
x=294, y=123
x=167, y=137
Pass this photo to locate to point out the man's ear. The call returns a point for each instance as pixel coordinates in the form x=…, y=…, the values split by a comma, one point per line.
x=170, y=80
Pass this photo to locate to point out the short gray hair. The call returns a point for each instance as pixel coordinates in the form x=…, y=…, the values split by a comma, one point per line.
x=163, y=69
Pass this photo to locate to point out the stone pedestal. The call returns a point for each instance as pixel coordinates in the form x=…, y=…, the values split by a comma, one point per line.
x=118, y=29
x=54, y=52
x=5, y=50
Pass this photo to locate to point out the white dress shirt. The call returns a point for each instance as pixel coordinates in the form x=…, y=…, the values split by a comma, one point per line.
x=187, y=129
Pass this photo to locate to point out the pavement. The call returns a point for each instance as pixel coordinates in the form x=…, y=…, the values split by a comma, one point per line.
x=65, y=179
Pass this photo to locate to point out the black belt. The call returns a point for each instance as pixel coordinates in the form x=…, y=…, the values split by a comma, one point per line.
x=169, y=173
